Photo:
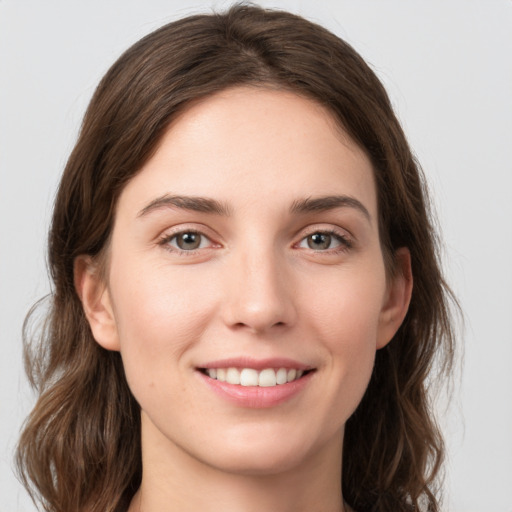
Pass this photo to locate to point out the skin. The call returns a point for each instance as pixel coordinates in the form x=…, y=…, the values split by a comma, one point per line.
x=253, y=288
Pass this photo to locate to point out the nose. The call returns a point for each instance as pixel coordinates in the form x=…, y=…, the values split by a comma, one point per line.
x=260, y=296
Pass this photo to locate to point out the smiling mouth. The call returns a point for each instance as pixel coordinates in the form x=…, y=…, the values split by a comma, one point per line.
x=269, y=377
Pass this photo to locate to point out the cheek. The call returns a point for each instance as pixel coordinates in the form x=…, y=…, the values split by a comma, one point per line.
x=346, y=317
x=349, y=303
x=159, y=316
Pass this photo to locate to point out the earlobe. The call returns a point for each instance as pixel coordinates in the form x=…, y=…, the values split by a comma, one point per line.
x=95, y=297
x=398, y=297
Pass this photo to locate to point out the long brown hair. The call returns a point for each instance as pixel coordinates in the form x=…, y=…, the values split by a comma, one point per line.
x=80, y=449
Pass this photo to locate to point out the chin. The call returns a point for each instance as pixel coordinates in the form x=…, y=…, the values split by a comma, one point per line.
x=251, y=463
x=260, y=454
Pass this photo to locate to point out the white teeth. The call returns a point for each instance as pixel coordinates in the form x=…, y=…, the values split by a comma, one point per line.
x=251, y=377
x=267, y=378
x=233, y=376
x=281, y=376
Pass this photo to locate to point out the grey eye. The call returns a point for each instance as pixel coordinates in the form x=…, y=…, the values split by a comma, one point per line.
x=319, y=241
x=188, y=241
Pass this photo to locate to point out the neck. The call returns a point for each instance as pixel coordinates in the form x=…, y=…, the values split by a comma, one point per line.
x=173, y=481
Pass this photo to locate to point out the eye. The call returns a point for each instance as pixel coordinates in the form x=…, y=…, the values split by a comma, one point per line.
x=324, y=241
x=187, y=241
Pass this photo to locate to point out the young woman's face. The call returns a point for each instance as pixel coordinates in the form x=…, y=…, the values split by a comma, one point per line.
x=246, y=289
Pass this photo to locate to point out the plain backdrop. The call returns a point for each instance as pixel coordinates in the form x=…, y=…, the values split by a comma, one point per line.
x=447, y=65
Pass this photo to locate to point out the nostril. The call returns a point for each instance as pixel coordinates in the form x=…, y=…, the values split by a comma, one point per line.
x=242, y=325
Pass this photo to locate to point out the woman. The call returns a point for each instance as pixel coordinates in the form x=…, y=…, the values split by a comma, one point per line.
x=247, y=300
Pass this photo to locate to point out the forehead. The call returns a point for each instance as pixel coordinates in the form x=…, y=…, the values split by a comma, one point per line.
x=245, y=143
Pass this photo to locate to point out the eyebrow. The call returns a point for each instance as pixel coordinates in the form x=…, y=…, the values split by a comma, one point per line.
x=192, y=203
x=208, y=205
x=325, y=203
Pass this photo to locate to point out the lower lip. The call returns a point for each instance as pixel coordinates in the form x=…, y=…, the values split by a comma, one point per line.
x=257, y=397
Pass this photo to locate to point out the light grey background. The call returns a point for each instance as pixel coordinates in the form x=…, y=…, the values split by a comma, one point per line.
x=447, y=65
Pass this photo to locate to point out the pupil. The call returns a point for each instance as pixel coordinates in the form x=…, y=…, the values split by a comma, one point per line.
x=189, y=241
x=319, y=241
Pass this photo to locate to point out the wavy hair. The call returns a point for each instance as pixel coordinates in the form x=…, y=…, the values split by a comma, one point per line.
x=80, y=448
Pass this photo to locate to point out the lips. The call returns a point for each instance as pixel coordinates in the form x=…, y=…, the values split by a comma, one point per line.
x=256, y=383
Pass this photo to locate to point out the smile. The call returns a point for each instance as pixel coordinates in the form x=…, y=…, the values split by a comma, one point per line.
x=256, y=383
x=268, y=377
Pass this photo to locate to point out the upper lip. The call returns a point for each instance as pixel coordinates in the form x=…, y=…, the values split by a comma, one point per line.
x=256, y=364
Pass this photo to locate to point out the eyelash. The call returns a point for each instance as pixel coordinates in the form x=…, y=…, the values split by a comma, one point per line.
x=166, y=239
x=345, y=242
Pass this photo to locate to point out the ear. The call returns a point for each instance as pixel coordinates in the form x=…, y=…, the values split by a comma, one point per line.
x=95, y=297
x=398, y=297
